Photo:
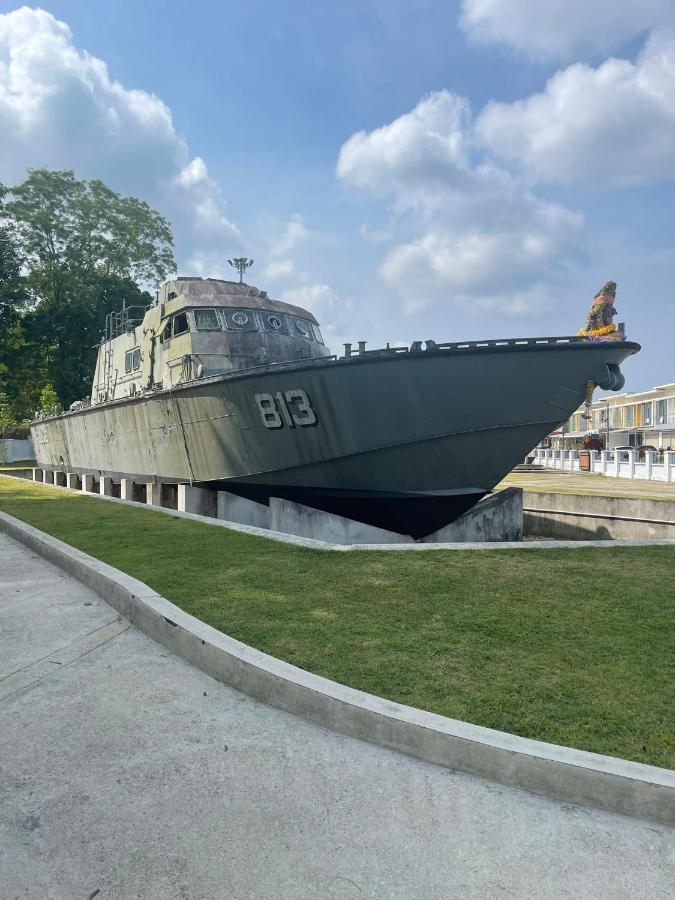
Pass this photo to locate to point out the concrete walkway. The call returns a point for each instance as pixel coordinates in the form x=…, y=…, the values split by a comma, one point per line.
x=126, y=773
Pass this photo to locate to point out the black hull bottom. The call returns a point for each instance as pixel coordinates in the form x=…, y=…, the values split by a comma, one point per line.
x=417, y=515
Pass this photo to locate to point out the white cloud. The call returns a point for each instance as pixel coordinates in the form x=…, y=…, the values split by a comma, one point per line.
x=479, y=230
x=60, y=108
x=559, y=29
x=279, y=270
x=293, y=233
x=613, y=123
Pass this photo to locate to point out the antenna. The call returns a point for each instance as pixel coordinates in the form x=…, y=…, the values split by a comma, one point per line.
x=241, y=264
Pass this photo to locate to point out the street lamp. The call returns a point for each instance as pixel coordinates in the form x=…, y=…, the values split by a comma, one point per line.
x=241, y=264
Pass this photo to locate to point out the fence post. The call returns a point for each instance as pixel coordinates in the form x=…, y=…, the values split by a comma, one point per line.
x=631, y=463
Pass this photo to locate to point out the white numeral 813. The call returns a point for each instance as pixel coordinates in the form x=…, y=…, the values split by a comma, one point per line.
x=290, y=408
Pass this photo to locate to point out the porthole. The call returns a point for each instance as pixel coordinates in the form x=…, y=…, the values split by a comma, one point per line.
x=240, y=318
x=302, y=328
x=274, y=322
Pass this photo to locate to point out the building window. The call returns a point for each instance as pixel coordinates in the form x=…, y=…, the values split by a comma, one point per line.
x=206, y=320
x=180, y=324
x=661, y=412
x=646, y=413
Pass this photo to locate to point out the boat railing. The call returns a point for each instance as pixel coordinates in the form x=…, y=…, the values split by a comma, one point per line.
x=432, y=346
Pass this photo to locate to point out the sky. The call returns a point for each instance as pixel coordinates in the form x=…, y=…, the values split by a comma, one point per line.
x=405, y=169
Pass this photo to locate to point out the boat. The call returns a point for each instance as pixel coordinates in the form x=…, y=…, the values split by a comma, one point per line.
x=220, y=386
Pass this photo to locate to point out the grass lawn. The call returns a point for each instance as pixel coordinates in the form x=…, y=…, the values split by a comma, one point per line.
x=569, y=646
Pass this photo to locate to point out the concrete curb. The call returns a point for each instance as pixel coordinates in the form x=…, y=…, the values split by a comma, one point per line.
x=562, y=773
x=314, y=544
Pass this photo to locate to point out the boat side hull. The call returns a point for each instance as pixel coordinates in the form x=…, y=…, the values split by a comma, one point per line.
x=347, y=436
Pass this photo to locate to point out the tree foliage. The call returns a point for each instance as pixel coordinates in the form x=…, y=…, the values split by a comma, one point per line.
x=71, y=251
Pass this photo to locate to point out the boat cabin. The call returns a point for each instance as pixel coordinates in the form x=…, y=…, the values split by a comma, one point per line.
x=199, y=327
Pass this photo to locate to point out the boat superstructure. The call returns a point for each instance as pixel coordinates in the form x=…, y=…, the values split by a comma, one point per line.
x=218, y=385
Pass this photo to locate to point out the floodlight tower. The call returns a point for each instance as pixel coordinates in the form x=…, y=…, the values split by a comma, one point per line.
x=241, y=264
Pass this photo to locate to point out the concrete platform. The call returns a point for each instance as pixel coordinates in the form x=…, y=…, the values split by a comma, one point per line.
x=550, y=480
x=127, y=773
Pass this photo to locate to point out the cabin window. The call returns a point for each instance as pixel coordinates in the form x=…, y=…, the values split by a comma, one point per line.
x=180, y=324
x=317, y=333
x=136, y=359
x=132, y=360
x=302, y=327
x=127, y=361
x=273, y=322
x=240, y=319
x=166, y=334
x=206, y=320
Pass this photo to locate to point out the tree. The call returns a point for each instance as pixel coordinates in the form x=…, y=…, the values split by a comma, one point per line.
x=49, y=401
x=13, y=303
x=7, y=425
x=80, y=251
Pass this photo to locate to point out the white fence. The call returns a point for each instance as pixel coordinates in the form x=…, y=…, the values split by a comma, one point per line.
x=12, y=450
x=619, y=463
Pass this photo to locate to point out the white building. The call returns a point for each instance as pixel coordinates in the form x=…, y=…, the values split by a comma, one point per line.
x=623, y=420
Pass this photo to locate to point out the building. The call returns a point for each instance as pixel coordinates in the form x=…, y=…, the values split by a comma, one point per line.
x=623, y=420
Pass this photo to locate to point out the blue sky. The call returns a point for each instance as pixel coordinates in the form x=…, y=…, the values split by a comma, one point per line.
x=406, y=170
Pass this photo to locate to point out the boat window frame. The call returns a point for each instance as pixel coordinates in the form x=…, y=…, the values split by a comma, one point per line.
x=298, y=333
x=128, y=361
x=166, y=333
x=267, y=314
x=136, y=359
x=251, y=325
x=186, y=330
x=198, y=310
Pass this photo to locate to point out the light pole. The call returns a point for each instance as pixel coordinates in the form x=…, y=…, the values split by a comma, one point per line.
x=241, y=264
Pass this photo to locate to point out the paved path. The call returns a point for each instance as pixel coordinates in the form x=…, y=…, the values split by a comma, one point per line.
x=126, y=773
x=589, y=483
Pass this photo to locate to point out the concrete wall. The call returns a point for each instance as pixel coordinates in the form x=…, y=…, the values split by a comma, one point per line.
x=578, y=517
x=304, y=521
x=13, y=451
x=232, y=508
x=498, y=517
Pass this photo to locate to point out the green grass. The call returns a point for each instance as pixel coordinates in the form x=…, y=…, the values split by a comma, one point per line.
x=20, y=464
x=568, y=646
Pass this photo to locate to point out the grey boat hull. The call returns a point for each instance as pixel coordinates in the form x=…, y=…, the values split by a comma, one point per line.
x=405, y=441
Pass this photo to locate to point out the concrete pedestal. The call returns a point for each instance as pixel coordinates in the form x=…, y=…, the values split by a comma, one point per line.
x=499, y=517
x=294, y=518
x=87, y=484
x=126, y=489
x=200, y=501
x=60, y=479
x=48, y=476
x=38, y=475
x=106, y=486
x=232, y=508
x=153, y=496
x=73, y=481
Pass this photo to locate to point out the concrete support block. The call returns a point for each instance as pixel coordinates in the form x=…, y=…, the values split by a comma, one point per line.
x=38, y=475
x=87, y=484
x=499, y=517
x=48, y=476
x=60, y=479
x=294, y=518
x=73, y=481
x=201, y=501
x=106, y=486
x=127, y=489
x=232, y=508
x=153, y=495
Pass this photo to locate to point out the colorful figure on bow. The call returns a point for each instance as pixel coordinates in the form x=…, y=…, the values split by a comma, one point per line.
x=599, y=325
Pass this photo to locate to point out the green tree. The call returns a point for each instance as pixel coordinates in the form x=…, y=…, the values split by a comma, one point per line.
x=49, y=401
x=84, y=250
x=13, y=304
x=7, y=425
